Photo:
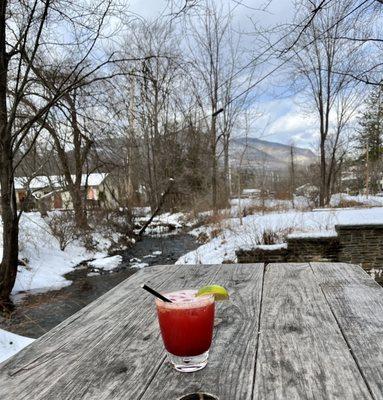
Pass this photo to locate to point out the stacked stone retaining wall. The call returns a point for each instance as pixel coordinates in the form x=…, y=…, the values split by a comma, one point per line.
x=357, y=244
x=361, y=244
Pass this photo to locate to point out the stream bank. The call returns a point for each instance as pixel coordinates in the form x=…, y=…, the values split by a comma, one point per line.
x=36, y=314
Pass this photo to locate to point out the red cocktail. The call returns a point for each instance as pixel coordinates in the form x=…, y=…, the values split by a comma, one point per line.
x=187, y=328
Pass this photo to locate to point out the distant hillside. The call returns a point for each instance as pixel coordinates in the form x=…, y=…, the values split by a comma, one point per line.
x=274, y=156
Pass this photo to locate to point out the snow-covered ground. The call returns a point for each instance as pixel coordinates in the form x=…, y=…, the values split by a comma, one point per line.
x=161, y=223
x=10, y=344
x=238, y=205
x=302, y=203
x=45, y=262
x=372, y=201
x=229, y=235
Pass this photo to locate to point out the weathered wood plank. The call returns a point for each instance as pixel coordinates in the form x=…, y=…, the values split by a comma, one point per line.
x=302, y=353
x=229, y=374
x=357, y=303
x=111, y=349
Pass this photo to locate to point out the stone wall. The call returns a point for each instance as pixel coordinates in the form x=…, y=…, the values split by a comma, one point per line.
x=302, y=249
x=259, y=255
x=299, y=249
x=361, y=244
x=357, y=244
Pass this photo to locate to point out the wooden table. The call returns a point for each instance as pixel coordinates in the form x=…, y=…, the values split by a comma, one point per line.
x=290, y=331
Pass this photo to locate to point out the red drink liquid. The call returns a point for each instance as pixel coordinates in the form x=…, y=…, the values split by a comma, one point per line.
x=187, y=323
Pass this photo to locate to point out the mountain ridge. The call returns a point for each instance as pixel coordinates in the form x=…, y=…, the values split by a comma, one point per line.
x=256, y=153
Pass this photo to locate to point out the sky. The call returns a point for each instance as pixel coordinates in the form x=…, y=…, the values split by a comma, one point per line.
x=278, y=115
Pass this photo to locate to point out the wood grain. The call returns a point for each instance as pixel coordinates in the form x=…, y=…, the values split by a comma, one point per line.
x=109, y=350
x=302, y=353
x=356, y=301
x=320, y=338
x=230, y=370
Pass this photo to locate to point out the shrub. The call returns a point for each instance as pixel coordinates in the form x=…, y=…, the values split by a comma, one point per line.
x=215, y=232
x=263, y=209
x=63, y=228
x=203, y=238
x=270, y=236
x=117, y=221
x=343, y=203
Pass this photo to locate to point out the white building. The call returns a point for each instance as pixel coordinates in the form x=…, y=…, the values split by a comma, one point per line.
x=100, y=190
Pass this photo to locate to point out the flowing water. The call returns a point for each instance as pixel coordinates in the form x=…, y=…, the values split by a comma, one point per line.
x=36, y=314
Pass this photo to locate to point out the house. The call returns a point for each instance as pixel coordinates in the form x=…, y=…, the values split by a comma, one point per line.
x=98, y=189
x=251, y=193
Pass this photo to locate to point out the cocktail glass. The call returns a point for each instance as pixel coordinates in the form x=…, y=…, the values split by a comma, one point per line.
x=187, y=328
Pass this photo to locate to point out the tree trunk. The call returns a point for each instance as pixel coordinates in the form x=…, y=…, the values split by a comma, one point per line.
x=78, y=206
x=213, y=138
x=322, y=191
x=226, y=171
x=292, y=176
x=8, y=268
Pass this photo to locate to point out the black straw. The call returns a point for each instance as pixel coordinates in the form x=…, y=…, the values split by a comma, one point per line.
x=154, y=293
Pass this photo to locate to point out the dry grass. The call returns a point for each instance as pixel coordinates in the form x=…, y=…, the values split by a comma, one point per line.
x=263, y=209
x=350, y=204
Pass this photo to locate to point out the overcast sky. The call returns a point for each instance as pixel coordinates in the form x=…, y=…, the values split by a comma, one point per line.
x=280, y=116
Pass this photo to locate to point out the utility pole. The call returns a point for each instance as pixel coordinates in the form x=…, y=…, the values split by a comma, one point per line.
x=214, y=177
x=292, y=177
x=129, y=141
x=367, y=170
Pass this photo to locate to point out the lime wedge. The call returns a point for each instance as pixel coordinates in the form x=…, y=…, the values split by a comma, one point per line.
x=219, y=292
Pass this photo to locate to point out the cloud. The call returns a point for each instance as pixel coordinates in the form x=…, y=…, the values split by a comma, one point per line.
x=284, y=120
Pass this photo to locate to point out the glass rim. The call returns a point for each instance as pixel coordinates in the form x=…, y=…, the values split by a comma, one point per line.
x=200, y=300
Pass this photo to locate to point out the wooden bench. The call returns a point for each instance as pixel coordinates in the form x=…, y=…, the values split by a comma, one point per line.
x=290, y=331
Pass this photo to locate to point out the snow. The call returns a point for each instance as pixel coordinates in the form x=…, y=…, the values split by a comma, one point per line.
x=233, y=236
x=93, y=273
x=272, y=246
x=107, y=263
x=176, y=219
x=363, y=199
x=154, y=254
x=247, y=192
x=11, y=343
x=58, y=181
x=160, y=223
x=45, y=262
x=317, y=234
x=139, y=265
x=300, y=203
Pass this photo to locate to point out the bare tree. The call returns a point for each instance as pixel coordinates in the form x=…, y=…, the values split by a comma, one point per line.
x=214, y=56
x=318, y=54
x=29, y=36
x=368, y=36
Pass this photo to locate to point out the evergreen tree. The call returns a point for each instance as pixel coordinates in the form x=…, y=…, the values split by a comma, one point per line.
x=370, y=137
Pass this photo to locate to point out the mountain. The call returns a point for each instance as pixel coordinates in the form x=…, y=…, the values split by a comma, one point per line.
x=257, y=153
